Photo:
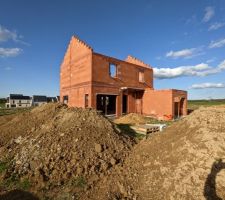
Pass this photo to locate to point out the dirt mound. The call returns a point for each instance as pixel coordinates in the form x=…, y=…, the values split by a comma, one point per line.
x=131, y=118
x=60, y=152
x=186, y=161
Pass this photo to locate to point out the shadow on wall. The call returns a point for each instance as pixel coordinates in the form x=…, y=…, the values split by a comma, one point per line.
x=210, y=184
x=18, y=195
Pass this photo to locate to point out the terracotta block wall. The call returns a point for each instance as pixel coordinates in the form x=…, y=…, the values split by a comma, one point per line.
x=127, y=73
x=131, y=103
x=177, y=96
x=158, y=103
x=76, y=73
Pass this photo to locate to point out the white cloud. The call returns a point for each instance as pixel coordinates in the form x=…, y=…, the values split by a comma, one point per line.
x=207, y=85
x=10, y=52
x=185, y=53
x=217, y=44
x=6, y=35
x=222, y=65
x=209, y=13
x=196, y=70
x=216, y=26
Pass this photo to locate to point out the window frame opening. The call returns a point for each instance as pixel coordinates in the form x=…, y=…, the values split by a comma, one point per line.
x=141, y=76
x=65, y=99
x=112, y=70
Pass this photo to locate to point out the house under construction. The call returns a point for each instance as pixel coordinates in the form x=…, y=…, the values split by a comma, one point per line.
x=113, y=86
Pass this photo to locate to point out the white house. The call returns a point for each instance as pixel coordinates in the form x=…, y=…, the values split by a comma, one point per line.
x=18, y=101
x=38, y=100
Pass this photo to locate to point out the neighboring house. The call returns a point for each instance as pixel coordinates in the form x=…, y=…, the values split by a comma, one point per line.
x=53, y=99
x=38, y=100
x=18, y=101
x=89, y=79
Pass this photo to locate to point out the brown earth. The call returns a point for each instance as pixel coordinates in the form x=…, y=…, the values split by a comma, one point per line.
x=60, y=151
x=77, y=154
x=186, y=161
x=131, y=118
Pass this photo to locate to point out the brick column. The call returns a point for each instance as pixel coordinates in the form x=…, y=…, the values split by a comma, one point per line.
x=119, y=104
x=185, y=107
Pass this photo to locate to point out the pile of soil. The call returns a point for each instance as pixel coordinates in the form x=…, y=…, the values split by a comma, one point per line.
x=74, y=153
x=61, y=152
x=131, y=118
x=186, y=161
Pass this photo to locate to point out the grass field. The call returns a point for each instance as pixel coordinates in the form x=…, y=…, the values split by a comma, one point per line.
x=9, y=111
x=2, y=105
x=195, y=104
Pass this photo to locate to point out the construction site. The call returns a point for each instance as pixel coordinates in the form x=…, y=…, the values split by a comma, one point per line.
x=77, y=153
x=112, y=137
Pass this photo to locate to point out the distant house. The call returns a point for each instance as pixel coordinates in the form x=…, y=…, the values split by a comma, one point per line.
x=38, y=100
x=53, y=99
x=18, y=101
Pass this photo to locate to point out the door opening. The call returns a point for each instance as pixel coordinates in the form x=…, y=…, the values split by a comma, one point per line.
x=106, y=104
x=138, y=101
x=124, y=104
x=176, y=109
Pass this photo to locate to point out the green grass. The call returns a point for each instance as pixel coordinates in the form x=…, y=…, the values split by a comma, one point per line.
x=127, y=130
x=79, y=182
x=3, y=166
x=2, y=105
x=10, y=111
x=195, y=104
x=24, y=184
x=13, y=182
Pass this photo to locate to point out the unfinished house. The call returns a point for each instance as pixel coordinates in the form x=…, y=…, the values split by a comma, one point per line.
x=113, y=86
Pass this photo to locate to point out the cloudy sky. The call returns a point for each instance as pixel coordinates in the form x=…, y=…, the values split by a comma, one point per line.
x=184, y=41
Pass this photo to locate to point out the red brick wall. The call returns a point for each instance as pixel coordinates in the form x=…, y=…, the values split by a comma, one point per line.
x=75, y=73
x=127, y=73
x=85, y=72
x=177, y=96
x=161, y=102
x=157, y=103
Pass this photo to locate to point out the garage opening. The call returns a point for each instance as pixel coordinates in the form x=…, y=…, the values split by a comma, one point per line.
x=106, y=104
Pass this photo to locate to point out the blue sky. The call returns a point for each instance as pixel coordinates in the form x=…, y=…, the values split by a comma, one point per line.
x=184, y=41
